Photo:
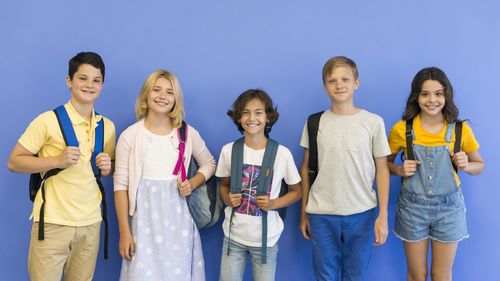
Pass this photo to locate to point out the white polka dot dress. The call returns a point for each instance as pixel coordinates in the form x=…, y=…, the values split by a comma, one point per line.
x=168, y=244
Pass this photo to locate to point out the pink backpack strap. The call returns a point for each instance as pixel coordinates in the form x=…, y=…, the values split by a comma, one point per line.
x=182, y=133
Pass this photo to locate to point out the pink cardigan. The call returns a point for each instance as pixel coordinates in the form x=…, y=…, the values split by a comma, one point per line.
x=133, y=145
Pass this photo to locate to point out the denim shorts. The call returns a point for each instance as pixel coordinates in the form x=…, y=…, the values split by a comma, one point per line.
x=439, y=217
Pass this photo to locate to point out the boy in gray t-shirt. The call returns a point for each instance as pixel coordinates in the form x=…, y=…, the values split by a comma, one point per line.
x=338, y=211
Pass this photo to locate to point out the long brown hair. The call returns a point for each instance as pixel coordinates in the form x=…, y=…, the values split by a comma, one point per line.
x=450, y=110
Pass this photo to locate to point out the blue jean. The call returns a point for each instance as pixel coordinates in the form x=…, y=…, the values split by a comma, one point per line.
x=341, y=245
x=233, y=265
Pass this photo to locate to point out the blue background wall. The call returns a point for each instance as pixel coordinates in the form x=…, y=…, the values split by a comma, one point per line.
x=219, y=49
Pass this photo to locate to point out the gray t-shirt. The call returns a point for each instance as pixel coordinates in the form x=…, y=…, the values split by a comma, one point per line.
x=347, y=146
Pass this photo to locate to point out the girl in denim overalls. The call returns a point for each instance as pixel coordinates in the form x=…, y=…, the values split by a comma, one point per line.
x=431, y=205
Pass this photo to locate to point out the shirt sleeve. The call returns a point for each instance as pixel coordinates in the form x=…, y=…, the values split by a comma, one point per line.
x=292, y=175
x=469, y=142
x=304, y=140
x=36, y=135
x=120, y=176
x=224, y=165
x=396, y=137
x=110, y=138
x=380, y=144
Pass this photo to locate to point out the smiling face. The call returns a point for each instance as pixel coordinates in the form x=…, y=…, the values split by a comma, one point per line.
x=161, y=98
x=431, y=98
x=85, y=85
x=341, y=84
x=253, y=118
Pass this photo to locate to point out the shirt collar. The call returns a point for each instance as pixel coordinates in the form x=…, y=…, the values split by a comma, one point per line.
x=76, y=119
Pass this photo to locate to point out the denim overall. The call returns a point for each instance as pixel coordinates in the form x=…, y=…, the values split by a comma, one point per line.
x=431, y=204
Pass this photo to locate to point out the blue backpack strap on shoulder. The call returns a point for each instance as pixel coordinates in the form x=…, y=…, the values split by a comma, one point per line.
x=236, y=165
x=66, y=126
x=98, y=148
x=263, y=188
x=236, y=184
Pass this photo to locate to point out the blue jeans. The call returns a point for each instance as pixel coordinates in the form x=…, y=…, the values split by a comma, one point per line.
x=233, y=265
x=341, y=245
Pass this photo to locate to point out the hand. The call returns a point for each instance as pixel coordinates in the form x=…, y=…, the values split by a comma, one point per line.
x=460, y=159
x=305, y=226
x=264, y=203
x=185, y=187
x=381, y=230
x=103, y=162
x=69, y=157
x=127, y=246
x=235, y=199
x=409, y=168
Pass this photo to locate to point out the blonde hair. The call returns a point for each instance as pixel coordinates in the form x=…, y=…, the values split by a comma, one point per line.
x=335, y=62
x=141, y=105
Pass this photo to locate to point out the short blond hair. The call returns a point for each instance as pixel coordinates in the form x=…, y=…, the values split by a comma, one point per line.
x=335, y=62
x=141, y=105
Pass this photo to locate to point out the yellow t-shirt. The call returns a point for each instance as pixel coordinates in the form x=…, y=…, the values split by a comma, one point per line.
x=397, y=139
x=72, y=196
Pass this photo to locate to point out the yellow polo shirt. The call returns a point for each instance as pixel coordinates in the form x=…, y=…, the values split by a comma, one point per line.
x=397, y=139
x=72, y=196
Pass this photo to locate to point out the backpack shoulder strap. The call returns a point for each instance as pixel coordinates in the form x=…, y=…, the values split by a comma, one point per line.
x=409, y=139
x=236, y=165
x=98, y=146
x=458, y=140
x=312, y=132
x=66, y=126
x=179, y=166
x=267, y=166
x=458, y=136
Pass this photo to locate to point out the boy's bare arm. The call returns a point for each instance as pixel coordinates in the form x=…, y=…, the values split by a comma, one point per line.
x=22, y=160
x=382, y=177
x=304, y=174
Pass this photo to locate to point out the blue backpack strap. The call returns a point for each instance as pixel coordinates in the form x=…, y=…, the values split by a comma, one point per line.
x=236, y=170
x=263, y=187
x=98, y=146
x=66, y=126
x=236, y=165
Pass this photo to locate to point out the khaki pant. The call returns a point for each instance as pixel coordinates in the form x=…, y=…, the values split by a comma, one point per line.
x=67, y=250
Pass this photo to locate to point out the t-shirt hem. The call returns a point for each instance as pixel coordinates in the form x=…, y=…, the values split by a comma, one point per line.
x=339, y=212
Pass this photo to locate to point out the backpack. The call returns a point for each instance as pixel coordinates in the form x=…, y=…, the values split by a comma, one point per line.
x=409, y=136
x=204, y=202
x=37, y=182
x=262, y=186
x=312, y=132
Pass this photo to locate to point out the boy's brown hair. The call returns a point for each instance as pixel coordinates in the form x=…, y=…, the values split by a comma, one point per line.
x=240, y=103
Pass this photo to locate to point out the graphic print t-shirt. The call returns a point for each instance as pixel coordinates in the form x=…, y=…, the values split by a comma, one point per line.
x=249, y=182
x=247, y=221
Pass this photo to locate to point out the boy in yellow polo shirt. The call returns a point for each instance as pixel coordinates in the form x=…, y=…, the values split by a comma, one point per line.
x=72, y=197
